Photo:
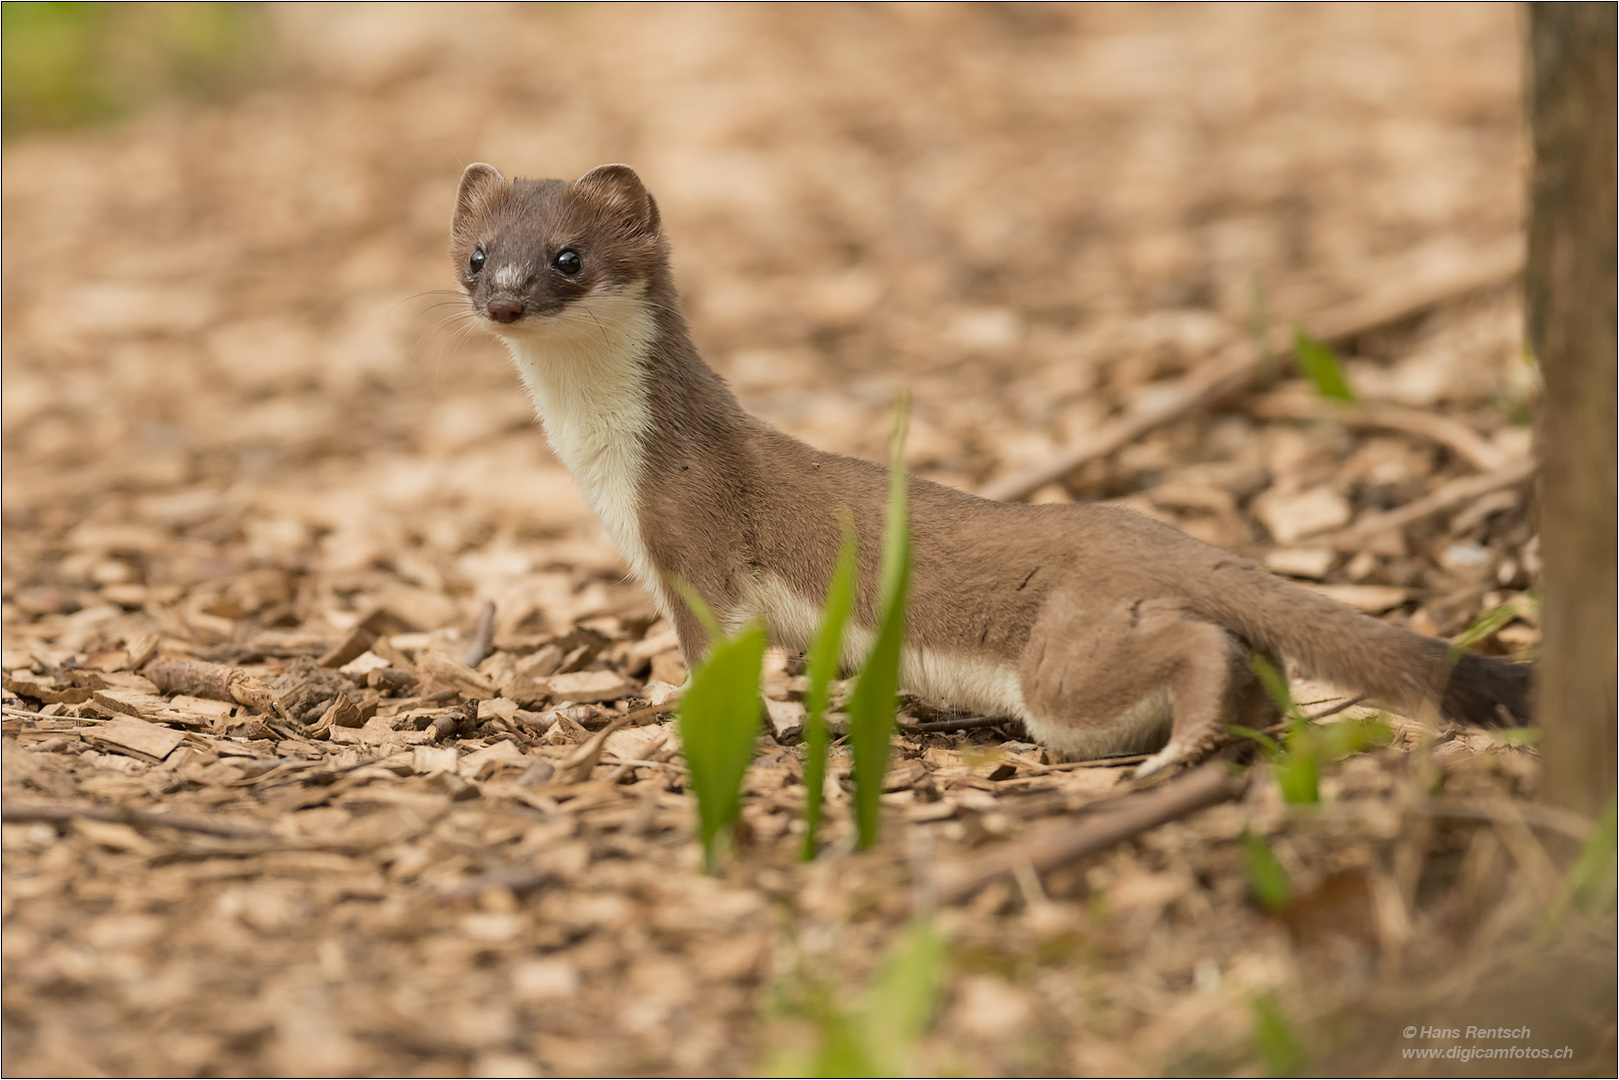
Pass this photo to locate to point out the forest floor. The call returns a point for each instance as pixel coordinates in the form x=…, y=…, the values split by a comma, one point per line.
x=235, y=432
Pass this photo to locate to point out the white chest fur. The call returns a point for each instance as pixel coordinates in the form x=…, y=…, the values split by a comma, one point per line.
x=584, y=370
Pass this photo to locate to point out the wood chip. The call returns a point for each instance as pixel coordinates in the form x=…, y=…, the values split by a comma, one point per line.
x=114, y=680
x=151, y=708
x=378, y=731
x=577, y=766
x=427, y=760
x=527, y=691
x=367, y=661
x=588, y=687
x=545, y=660
x=136, y=738
x=46, y=689
x=142, y=647
x=202, y=706
x=1300, y=562
x=481, y=764
x=380, y=622
x=1295, y=514
x=111, y=834
x=786, y=720
x=343, y=713
x=1373, y=599
x=439, y=670
x=635, y=743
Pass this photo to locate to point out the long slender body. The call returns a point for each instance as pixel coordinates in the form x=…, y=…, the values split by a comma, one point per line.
x=1103, y=631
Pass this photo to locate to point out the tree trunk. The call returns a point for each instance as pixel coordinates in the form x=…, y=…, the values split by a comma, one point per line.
x=1571, y=311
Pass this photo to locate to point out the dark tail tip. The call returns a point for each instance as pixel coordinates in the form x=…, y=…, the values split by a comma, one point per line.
x=1486, y=692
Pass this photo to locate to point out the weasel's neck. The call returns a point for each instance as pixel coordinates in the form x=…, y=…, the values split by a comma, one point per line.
x=588, y=378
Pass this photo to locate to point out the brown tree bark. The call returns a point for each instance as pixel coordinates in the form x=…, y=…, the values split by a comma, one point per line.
x=1571, y=308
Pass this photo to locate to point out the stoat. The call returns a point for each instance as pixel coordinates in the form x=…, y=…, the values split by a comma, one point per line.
x=1105, y=632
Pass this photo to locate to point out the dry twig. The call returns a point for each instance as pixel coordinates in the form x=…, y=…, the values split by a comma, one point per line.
x=483, y=637
x=1131, y=815
x=646, y=713
x=1093, y=763
x=515, y=879
x=966, y=723
x=217, y=681
x=1238, y=364
x=577, y=766
x=1446, y=497
x=1534, y=815
x=1453, y=435
x=56, y=812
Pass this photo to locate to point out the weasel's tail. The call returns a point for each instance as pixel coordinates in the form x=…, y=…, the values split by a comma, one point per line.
x=1340, y=645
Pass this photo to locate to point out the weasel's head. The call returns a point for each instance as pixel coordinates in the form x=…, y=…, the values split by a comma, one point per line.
x=537, y=258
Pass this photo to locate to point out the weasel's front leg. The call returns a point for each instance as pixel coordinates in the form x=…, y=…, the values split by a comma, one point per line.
x=1120, y=679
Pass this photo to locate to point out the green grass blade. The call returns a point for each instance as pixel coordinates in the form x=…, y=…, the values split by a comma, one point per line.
x=842, y=1052
x=871, y=718
x=1298, y=774
x=1343, y=738
x=719, y=724
x=1275, y=1042
x=1591, y=878
x=1267, y=878
x=1486, y=625
x=897, y=527
x=877, y=1033
x=1276, y=686
x=1298, y=767
x=824, y=659
x=1320, y=365
x=1590, y=884
x=1268, y=744
x=901, y=1001
x=876, y=692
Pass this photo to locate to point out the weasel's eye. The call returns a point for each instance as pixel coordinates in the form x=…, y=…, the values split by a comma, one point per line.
x=568, y=262
x=476, y=262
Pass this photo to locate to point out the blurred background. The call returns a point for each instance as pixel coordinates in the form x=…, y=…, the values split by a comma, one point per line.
x=225, y=225
x=233, y=416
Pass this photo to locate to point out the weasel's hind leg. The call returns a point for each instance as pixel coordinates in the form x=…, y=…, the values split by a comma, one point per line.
x=1117, y=681
x=1227, y=691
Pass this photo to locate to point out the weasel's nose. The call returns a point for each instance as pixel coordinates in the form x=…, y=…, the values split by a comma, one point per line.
x=505, y=311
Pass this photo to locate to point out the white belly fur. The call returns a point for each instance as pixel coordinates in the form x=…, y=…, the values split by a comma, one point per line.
x=967, y=682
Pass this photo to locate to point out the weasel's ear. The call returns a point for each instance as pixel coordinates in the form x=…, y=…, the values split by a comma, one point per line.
x=478, y=183
x=621, y=189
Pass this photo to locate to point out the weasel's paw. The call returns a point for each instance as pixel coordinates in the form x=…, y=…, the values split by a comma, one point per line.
x=1169, y=755
x=1177, y=752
